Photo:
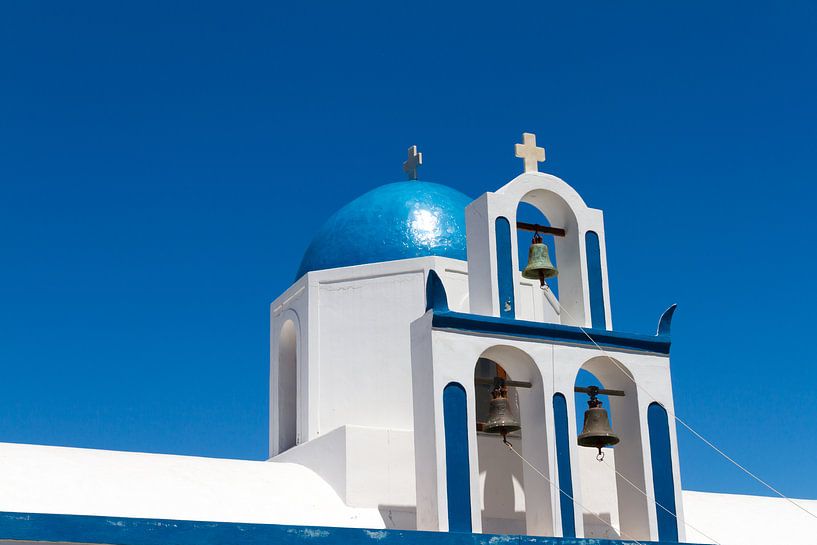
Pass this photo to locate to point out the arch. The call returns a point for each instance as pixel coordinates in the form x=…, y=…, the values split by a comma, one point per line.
x=457, y=470
x=620, y=499
x=529, y=213
x=514, y=499
x=663, y=483
x=562, y=428
x=595, y=282
x=533, y=303
x=287, y=386
x=504, y=266
x=568, y=250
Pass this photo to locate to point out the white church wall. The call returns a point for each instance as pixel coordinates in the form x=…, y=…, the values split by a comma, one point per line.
x=61, y=480
x=599, y=494
x=735, y=519
x=364, y=345
x=502, y=494
x=44, y=479
x=288, y=316
x=534, y=304
x=367, y=467
x=442, y=357
x=350, y=323
x=353, y=327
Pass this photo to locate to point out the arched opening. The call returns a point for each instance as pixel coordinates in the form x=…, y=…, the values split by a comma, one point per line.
x=663, y=481
x=545, y=207
x=287, y=386
x=528, y=213
x=622, y=508
x=513, y=499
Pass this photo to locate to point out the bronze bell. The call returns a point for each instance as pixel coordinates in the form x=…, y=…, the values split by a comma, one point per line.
x=539, y=265
x=501, y=418
x=597, y=432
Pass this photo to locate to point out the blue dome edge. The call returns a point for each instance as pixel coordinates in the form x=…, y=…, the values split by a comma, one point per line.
x=399, y=220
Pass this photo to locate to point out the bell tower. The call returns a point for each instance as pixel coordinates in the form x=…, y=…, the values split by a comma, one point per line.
x=494, y=269
x=497, y=445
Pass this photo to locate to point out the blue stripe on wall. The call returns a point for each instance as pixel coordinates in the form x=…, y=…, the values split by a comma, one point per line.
x=457, y=470
x=523, y=329
x=504, y=268
x=594, y=277
x=37, y=527
x=563, y=465
x=662, y=480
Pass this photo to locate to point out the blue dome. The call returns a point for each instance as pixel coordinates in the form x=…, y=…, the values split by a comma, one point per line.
x=394, y=221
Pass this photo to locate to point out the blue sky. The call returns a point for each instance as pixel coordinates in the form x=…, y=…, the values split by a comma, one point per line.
x=163, y=166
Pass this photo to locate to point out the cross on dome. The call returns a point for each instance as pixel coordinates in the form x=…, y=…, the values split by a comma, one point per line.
x=529, y=153
x=415, y=159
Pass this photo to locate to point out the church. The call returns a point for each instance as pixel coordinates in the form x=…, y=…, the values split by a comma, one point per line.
x=428, y=385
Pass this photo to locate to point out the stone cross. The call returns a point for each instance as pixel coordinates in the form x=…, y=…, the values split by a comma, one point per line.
x=529, y=153
x=415, y=159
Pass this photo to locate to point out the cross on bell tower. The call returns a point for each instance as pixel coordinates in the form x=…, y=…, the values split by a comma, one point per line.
x=529, y=153
x=415, y=159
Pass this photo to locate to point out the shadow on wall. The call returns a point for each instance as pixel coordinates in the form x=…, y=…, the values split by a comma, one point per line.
x=593, y=527
x=398, y=517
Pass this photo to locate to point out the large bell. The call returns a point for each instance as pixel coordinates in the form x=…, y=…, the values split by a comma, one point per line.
x=539, y=265
x=597, y=432
x=501, y=418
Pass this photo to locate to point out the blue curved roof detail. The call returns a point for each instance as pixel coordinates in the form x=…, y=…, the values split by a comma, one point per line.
x=395, y=221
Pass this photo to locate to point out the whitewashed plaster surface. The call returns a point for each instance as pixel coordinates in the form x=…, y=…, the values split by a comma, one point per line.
x=734, y=519
x=43, y=479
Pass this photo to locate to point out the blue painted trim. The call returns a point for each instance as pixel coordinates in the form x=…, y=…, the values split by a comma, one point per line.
x=491, y=325
x=595, y=283
x=563, y=465
x=504, y=267
x=457, y=470
x=443, y=318
x=665, y=323
x=436, y=298
x=663, y=483
x=135, y=531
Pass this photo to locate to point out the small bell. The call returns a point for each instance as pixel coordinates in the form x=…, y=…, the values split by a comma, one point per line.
x=501, y=418
x=539, y=265
x=597, y=432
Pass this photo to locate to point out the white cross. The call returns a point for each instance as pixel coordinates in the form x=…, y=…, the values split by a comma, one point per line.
x=529, y=153
x=415, y=160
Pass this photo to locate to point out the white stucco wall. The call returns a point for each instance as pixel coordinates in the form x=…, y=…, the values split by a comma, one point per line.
x=734, y=519
x=42, y=479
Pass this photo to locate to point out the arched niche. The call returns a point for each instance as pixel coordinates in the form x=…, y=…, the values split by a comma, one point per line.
x=603, y=491
x=287, y=385
x=567, y=251
x=513, y=498
x=534, y=303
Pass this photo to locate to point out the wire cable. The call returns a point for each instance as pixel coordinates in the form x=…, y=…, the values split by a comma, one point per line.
x=679, y=420
x=571, y=498
x=644, y=493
